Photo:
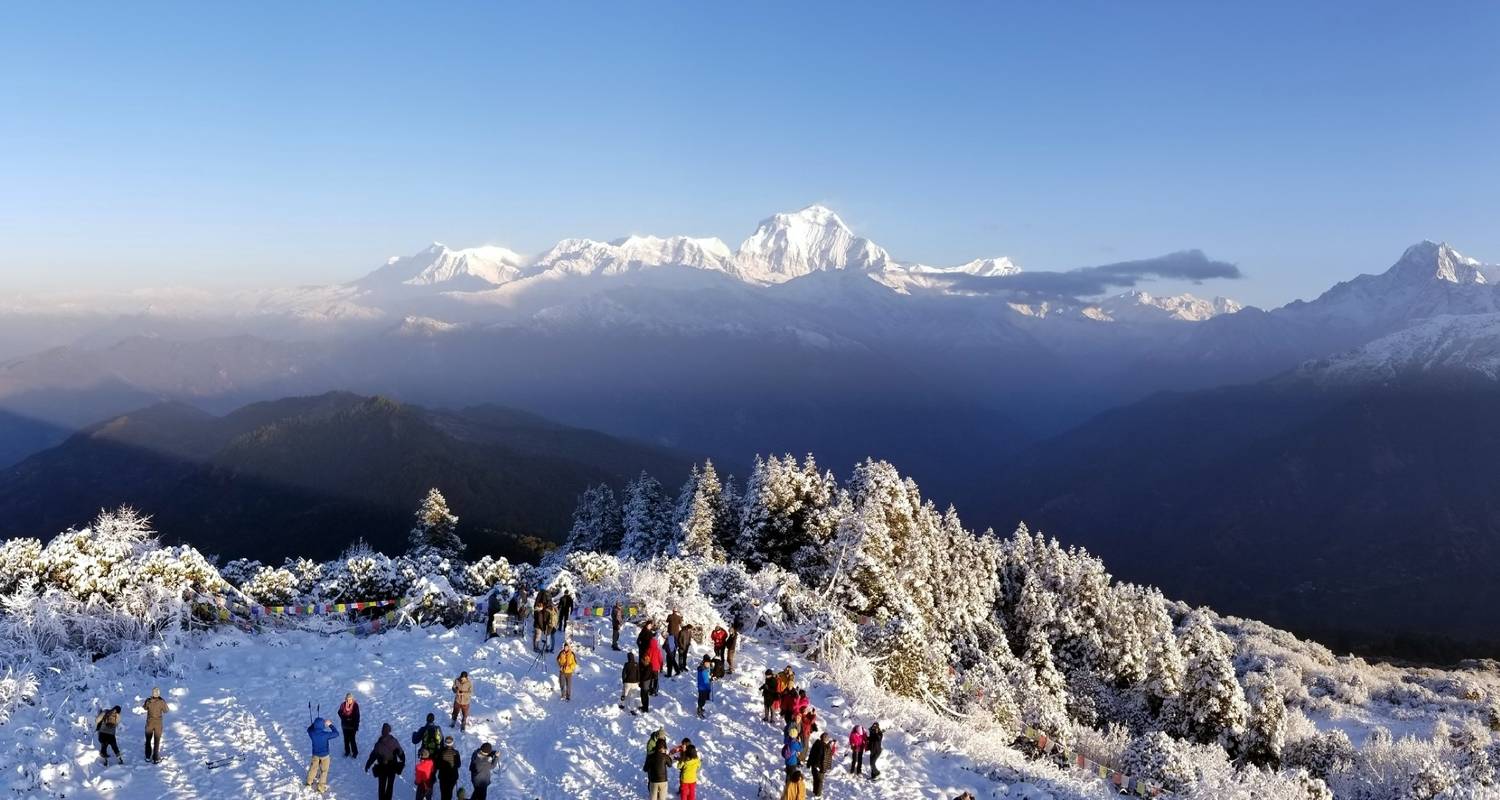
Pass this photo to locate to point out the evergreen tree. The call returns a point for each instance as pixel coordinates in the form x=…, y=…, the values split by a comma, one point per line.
x=647, y=518
x=727, y=526
x=1265, y=730
x=596, y=522
x=699, y=513
x=1212, y=705
x=436, y=528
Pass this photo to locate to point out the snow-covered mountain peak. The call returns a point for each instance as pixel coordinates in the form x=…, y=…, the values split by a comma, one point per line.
x=590, y=257
x=1138, y=305
x=438, y=266
x=790, y=245
x=1437, y=261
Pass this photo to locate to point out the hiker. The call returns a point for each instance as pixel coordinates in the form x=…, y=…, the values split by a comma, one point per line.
x=630, y=678
x=857, y=747
x=551, y=626
x=785, y=679
x=874, y=743
x=791, y=755
x=463, y=694
x=685, y=636
x=448, y=762
x=646, y=634
x=429, y=737
x=156, y=708
x=616, y=619
x=564, y=611
x=567, y=664
x=424, y=775
x=658, y=735
x=731, y=645
x=321, y=732
x=795, y=788
x=670, y=646
x=801, y=704
x=349, y=721
x=651, y=681
x=513, y=611
x=821, y=760
x=719, y=637
x=388, y=759
x=481, y=765
x=808, y=724
x=705, y=685
x=538, y=621
x=674, y=622
x=768, y=695
x=105, y=726
x=657, y=763
x=788, y=704
x=688, y=764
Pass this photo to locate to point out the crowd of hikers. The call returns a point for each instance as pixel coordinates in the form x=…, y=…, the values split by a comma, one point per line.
x=807, y=749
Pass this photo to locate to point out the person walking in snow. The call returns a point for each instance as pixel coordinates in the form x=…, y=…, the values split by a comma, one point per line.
x=788, y=702
x=795, y=789
x=654, y=660
x=705, y=685
x=321, y=732
x=656, y=766
x=768, y=695
x=791, y=755
x=874, y=744
x=616, y=620
x=105, y=726
x=807, y=723
x=448, y=761
x=156, y=709
x=463, y=694
x=389, y=760
x=688, y=764
x=821, y=760
x=349, y=723
x=564, y=612
x=630, y=678
x=670, y=646
x=429, y=737
x=567, y=664
x=685, y=636
x=720, y=639
x=481, y=767
x=424, y=775
x=857, y=747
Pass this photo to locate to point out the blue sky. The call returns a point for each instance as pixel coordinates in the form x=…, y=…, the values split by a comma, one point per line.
x=276, y=143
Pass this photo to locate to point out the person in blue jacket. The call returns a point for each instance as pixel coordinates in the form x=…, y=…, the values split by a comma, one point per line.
x=705, y=684
x=321, y=732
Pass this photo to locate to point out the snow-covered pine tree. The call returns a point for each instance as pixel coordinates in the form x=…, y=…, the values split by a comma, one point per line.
x=1265, y=730
x=1045, y=695
x=699, y=512
x=436, y=527
x=727, y=526
x=1212, y=705
x=786, y=508
x=647, y=517
x=597, y=525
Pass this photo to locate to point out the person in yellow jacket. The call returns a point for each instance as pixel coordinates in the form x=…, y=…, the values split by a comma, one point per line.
x=795, y=789
x=688, y=763
x=567, y=664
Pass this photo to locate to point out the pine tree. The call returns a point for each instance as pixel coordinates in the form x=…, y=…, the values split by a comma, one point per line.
x=786, y=508
x=1212, y=705
x=727, y=526
x=436, y=528
x=596, y=522
x=647, y=517
x=1265, y=730
x=699, y=512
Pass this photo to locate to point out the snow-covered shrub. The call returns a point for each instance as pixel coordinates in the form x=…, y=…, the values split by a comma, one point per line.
x=239, y=571
x=1212, y=705
x=591, y=568
x=432, y=599
x=307, y=572
x=272, y=586
x=487, y=573
x=1159, y=758
x=361, y=574
x=16, y=687
x=21, y=566
x=1265, y=731
x=1322, y=755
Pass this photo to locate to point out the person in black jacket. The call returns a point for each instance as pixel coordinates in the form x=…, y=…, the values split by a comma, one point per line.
x=388, y=759
x=616, y=619
x=820, y=759
x=874, y=741
x=768, y=695
x=448, y=762
x=349, y=721
x=513, y=610
x=564, y=611
x=491, y=610
x=657, y=766
x=630, y=679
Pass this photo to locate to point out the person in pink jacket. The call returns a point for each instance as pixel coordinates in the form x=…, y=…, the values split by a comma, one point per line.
x=857, y=744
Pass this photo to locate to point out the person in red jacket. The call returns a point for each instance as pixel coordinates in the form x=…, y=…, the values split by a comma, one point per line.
x=654, y=662
x=425, y=775
x=719, y=637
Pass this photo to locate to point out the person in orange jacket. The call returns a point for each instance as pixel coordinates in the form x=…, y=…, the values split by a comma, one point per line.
x=425, y=775
x=567, y=664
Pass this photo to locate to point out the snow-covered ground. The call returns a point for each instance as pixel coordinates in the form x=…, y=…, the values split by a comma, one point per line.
x=247, y=694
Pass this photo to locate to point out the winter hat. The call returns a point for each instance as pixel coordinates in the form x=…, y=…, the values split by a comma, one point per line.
x=486, y=748
x=448, y=740
x=155, y=692
x=385, y=729
x=423, y=753
x=430, y=718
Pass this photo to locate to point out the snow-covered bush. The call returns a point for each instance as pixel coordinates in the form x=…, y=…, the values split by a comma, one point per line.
x=592, y=568
x=239, y=571
x=307, y=572
x=487, y=573
x=272, y=586
x=1322, y=755
x=21, y=565
x=16, y=687
x=1161, y=759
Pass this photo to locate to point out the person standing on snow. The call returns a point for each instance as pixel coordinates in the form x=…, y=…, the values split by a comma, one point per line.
x=656, y=766
x=156, y=708
x=731, y=645
x=674, y=622
x=564, y=611
x=513, y=612
x=567, y=664
x=481, y=766
x=389, y=760
x=651, y=683
x=630, y=678
x=874, y=743
x=795, y=789
x=538, y=621
x=424, y=775
x=463, y=694
x=448, y=762
x=685, y=636
x=688, y=764
x=105, y=726
x=349, y=722
x=857, y=747
x=670, y=646
x=616, y=619
x=821, y=760
x=705, y=685
x=429, y=737
x=720, y=638
x=768, y=695
x=551, y=627
x=321, y=732
x=808, y=724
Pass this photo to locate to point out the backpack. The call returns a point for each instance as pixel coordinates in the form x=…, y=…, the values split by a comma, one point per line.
x=99, y=721
x=432, y=739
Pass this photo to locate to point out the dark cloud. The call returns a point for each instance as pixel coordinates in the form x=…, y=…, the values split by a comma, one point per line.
x=1189, y=265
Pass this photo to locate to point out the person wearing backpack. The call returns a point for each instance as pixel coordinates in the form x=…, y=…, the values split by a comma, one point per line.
x=429, y=737
x=448, y=761
x=105, y=726
x=156, y=709
x=705, y=685
x=791, y=755
x=630, y=679
x=321, y=732
x=481, y=766
x=656, y=766
x=389, y=760
x=567, y=664
x=857, y=747
x=349, y=721
x=463, y=694
x=874, y=743
x=424, y=775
